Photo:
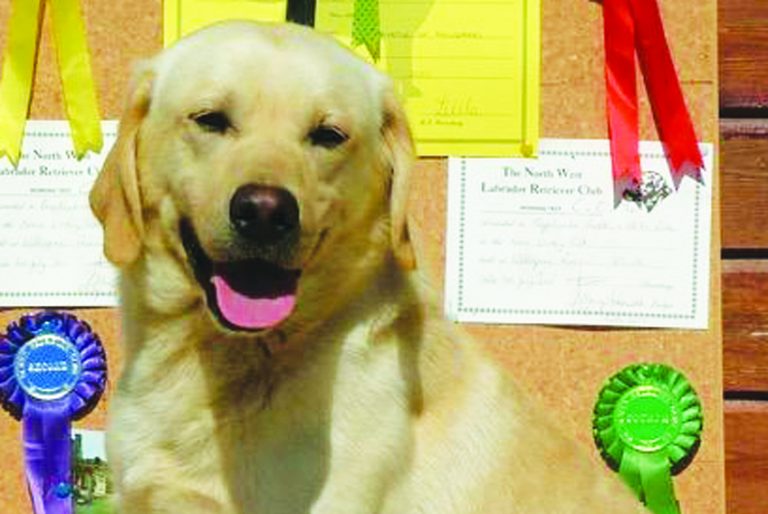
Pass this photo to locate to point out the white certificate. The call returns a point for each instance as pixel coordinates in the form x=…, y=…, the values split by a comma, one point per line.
x=50, y=243
x=540, y=241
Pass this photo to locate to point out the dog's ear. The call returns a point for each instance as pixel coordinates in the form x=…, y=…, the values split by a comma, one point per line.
x=399, y=157
x=115, y=198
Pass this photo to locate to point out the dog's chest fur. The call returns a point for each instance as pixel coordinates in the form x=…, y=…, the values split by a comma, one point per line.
x=372, y=422
x=242, y=432
x=386, y=407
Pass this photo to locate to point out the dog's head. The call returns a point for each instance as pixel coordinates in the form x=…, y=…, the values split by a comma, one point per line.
x=259, y=171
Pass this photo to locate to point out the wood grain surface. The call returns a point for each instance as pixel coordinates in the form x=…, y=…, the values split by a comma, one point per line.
x=745, y=325
x=744, y=169
x=746, y=433
x=743, y=55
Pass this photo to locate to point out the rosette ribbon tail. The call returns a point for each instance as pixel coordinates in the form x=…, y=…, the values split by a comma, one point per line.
x=673, y=121
x=635, y=26
x=17, y=72
x=47, y=452
x=76, y=76
x=621, y=96
x=648, y=474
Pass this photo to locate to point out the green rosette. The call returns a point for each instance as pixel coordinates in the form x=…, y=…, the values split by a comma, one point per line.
x=647, y=425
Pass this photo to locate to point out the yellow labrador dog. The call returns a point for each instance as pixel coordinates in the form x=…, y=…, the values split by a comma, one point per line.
x=281, y=356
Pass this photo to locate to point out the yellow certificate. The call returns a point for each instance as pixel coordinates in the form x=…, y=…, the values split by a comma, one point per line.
x=468, y=71
x=180, y=17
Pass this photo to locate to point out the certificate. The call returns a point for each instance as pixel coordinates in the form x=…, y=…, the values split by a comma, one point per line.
x=467, y=71
x=50, y=243
x=540, y=241
x=180, y=17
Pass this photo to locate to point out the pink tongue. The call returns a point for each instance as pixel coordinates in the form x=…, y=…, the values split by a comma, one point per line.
x=252, y=313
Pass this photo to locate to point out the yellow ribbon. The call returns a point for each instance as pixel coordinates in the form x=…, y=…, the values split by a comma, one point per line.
x=74, y=66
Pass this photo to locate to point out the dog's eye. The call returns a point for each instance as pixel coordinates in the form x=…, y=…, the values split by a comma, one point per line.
x=212, y=121
x=327, y=136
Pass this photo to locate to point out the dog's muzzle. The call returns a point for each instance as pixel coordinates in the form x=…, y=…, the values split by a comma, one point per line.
x=254, y=293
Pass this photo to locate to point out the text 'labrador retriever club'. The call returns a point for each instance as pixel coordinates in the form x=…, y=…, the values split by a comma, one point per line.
x=281, y=354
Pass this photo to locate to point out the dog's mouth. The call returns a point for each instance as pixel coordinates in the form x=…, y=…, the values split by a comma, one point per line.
x=249, y=294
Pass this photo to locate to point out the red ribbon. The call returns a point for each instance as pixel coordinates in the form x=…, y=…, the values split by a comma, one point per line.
x=635, y=25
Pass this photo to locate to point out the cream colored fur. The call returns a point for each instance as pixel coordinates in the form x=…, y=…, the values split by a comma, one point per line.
x=364, y=400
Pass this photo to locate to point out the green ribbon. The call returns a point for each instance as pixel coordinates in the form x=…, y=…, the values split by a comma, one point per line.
x=366, y=27
x=647, y=424
x=649, y=476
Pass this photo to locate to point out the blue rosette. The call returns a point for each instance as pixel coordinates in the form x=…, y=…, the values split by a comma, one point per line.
x=53, y=369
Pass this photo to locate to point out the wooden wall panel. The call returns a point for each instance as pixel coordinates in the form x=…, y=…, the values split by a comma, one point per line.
x=743, y=31
x=746, y=433
x=744, y=168
x=745, y=325
x=743, y=57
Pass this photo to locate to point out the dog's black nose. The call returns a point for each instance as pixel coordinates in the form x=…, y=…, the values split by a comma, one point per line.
x=263, y=214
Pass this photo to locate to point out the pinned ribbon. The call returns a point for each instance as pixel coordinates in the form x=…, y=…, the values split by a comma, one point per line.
x=52, y=370
x=647, y=425
x=301, y=12
x=635, y=26
x=366, y=27
x=75, y=69
x=365, y=22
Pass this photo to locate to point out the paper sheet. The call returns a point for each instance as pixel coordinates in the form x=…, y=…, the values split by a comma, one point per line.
x=539, y=241
x=180, y=17
x=467, y=71
x=50, y=243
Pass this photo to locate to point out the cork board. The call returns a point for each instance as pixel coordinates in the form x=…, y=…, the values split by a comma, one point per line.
x=563, y=367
